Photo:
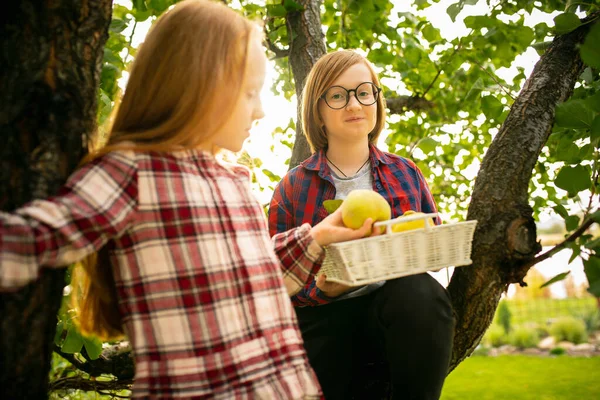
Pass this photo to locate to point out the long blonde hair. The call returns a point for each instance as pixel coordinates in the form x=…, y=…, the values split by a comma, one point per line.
x=322, y=75
x=184, y=82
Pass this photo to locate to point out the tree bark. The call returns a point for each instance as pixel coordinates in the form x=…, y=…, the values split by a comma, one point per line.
x=505, y=238
x=49, y=74
x=306, y=47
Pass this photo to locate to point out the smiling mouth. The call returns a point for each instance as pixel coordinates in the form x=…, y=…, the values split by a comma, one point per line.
x=354, y=119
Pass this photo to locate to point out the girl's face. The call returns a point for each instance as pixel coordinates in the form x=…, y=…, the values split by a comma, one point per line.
x=249, y=106
x=355, y=121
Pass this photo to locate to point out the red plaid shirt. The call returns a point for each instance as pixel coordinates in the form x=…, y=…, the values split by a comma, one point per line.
x=298, y=199
x=201, y=291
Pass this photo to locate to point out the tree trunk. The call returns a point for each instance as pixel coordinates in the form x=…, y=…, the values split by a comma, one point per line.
x=50, y=70
x=306, y=48
x=505, y=238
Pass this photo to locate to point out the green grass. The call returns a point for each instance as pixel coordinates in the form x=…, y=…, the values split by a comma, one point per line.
x=524, y=378
x=541, y=310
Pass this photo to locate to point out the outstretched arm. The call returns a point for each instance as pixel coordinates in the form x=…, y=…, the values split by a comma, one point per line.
x=96, y=204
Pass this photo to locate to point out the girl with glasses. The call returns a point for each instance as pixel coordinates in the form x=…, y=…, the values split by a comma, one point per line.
x=404, y=324
x=176, y=248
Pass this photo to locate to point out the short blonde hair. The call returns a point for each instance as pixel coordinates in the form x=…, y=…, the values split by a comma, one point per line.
x=322, y=75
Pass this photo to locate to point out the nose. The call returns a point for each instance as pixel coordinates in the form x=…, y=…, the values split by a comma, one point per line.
x=353, y=102
x=259, y=113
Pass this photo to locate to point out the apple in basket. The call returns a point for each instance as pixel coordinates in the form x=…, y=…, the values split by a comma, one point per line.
x=410, y=225
x=361, y=204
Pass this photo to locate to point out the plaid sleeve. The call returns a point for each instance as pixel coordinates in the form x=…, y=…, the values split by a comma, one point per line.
x=97, y=203
x=300, y=257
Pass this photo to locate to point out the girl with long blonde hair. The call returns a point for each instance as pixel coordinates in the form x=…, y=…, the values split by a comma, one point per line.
x=176, y=248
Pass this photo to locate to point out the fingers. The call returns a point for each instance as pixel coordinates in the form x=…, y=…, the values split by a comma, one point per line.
x=321, y=280
x=366, y=228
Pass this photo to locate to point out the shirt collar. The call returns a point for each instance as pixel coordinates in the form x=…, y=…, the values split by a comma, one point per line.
x=317, y=161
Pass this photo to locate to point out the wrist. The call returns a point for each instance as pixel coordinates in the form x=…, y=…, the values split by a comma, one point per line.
x=318, y=236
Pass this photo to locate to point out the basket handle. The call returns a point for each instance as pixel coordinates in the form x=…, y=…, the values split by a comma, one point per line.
x=388, y=224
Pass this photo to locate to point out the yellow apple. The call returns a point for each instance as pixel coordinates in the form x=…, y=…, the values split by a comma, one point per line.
x=362, y=204
x=410, y=225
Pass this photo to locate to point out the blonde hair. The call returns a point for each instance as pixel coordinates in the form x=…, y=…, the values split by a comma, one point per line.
x=184, y=82
x=322, y=75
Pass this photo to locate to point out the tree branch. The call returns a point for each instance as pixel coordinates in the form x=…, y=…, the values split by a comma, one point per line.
x=402, y=104
x=115, y=360
x=580, y=231
x=100, y=386
x=278, y=51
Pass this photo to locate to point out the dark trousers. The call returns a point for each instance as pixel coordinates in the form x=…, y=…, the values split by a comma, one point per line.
x=407, y=325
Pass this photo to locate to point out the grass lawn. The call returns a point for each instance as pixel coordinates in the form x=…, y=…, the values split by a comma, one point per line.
x=524, y=378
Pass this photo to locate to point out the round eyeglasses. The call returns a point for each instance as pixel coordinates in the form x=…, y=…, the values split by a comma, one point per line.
x=337, y=97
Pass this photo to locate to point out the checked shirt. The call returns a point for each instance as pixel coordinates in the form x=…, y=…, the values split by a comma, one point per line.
x=203, y=296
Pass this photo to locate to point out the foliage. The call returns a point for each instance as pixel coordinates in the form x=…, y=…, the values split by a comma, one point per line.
x=591, y=320
x=542, y=310
x=570, y=329
x=495, y=336
x=503, y=316
x=524, y=337
x=523, y=378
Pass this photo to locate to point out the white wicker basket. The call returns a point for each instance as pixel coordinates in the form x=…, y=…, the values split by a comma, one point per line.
x=392, y=255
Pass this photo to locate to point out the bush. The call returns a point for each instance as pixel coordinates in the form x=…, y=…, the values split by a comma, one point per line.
x=495, y=336
x=591, y=320
x=570, y=329
x=557, y=351
x=504, y=316
x=524, y=337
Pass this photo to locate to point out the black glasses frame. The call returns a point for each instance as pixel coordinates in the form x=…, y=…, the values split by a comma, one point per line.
x=348, y=92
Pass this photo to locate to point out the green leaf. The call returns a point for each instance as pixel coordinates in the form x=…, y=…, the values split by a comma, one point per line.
x=590, y=49
x=273, y=177
x=587, y=75
x=593, y=245
x=453, y=11
x=593, y=102
x=93, y=346
x=491, y=106
x=576, y=252
x=566, y=22
x=160, y=5
x=572, y=222
x=427, y=145
x=475, y=89
x=573, y=179
x=594, y=288
x=541, y=47
x=276, y=10
x=117, y=25
x=73, y=341
x=556, y=278
x=561, y=210
x=591, y=267
x=595, y=128
x=292, y=6
x=573, y=114
x=430, y=33
x=332, y=205
x=58, y=335
x=471, y=2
